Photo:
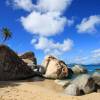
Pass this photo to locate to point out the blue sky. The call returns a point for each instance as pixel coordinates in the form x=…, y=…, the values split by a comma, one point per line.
x=68, y=29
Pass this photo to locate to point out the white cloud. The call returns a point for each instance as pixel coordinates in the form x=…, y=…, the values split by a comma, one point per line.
x=21, y=4
x=88, y=25
x=47, y=24
x=51, y=47
x=53, y=5
x=80, y=59
x=96, y=53
x=46, y=19
x=41, y=5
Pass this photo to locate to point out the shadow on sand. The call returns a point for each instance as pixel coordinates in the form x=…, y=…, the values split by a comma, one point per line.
x=14, y=83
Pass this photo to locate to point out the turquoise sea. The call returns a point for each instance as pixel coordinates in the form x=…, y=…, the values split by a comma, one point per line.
x=92, y=67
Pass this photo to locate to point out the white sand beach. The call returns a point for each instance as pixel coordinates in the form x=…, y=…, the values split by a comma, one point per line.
x=38, y=90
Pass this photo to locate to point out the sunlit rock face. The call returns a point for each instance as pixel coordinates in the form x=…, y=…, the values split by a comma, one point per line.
x=54, y=68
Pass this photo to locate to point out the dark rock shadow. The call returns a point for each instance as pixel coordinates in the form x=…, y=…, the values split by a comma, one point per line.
x=6, y=84
x=34, y=79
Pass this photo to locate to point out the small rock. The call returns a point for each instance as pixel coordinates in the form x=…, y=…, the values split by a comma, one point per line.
x=63, y=83
x=78, y=69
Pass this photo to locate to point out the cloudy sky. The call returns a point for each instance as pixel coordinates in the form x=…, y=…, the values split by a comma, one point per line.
x=68, y=29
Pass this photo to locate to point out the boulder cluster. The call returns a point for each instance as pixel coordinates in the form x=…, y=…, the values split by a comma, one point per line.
x=15, y=67
x=12, y=67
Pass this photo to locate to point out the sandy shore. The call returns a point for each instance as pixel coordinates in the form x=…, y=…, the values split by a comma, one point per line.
x=38, y=90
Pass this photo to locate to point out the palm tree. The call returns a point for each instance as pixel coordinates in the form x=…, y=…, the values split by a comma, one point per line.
x=6, y=33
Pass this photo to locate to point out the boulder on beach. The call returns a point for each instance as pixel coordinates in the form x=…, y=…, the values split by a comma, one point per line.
x=11, y=66
x=85, y=83
x=30, y=59
x=72, y=90
x=78, y=69
x=54, y=68
x=30, y=56
x=96, y=77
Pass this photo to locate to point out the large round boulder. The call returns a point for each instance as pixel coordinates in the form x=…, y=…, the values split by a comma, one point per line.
x=81, y=85
x=85, y=83
x=78, y=69
x=54, y=68
x=11, y=66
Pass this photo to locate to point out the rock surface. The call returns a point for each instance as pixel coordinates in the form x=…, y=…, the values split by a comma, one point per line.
x=11, y=66
x=30, y=56
x=54, y=68
x=78, y=69
x=72, y=90
x=63, y=83
x=30, y=63
x=85, y=83
x=96, y=77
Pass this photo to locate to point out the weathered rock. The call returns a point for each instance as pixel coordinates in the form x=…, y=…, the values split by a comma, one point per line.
x=96, y=77
x=78, y=69
x=98, y=90
x=63, y=83
x=46, y=61
x=30, y=63
x=85, y=83
x=72, y=90
x=54, y=68
x=30, y=56
x=11, y=66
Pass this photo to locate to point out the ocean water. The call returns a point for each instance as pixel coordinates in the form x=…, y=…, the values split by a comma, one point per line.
x=92, y=67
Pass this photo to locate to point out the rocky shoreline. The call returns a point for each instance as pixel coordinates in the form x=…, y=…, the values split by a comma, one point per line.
x=19, y=67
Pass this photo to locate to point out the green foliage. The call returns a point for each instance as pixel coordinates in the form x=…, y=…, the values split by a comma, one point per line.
x=6, y=33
